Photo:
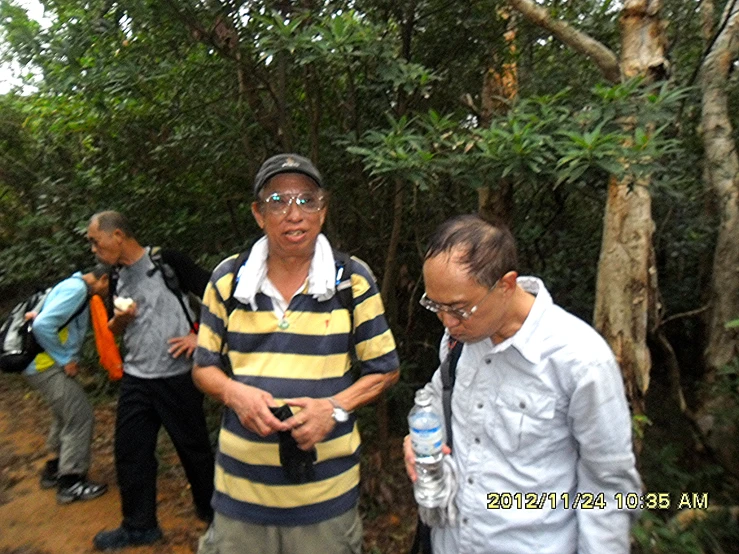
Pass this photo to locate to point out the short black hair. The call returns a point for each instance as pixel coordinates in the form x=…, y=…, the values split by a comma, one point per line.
x=488, y=249
x=111, y=220
x=100, y=269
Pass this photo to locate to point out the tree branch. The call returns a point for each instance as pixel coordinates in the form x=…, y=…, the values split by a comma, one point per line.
x=683, y=315
x=603, y=57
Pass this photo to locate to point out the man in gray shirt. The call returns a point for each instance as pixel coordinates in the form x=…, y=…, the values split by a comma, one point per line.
x=157, y=387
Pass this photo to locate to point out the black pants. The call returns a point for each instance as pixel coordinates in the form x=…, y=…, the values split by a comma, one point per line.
x=143, y=407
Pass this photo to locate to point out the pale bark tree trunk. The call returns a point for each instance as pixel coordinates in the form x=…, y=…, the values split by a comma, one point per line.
x=707, y=8
x=722, y=164
x=626, y=290
x=722, y=171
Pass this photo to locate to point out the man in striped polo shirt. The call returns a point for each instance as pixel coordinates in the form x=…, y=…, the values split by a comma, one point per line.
x=290, y=339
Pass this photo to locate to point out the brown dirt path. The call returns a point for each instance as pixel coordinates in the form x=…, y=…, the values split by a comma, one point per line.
x=31, y=522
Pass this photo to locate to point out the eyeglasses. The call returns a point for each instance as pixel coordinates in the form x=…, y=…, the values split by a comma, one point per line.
x=308, y=202
x=459, y=313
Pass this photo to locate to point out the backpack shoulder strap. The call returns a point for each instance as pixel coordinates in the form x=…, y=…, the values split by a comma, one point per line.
x=343, y=261
x=170, y=280
x=230, y=303
x=448, y=375
x=112, y=290
x=78, y=311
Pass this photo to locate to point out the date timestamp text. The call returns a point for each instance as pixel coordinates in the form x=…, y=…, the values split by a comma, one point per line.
x=595, y=501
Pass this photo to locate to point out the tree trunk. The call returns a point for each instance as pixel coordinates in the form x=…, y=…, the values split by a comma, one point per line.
x=722, y=164
x=499, y=90
x=626, y=290
x=722, y=171
x=707, y=8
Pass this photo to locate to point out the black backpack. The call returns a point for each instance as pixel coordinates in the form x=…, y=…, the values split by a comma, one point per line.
x=18, y=346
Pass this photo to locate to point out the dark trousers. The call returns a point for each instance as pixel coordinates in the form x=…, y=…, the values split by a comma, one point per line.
x=143, y=407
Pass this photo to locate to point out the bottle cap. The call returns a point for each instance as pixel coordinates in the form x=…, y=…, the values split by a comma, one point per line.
x=423, y=397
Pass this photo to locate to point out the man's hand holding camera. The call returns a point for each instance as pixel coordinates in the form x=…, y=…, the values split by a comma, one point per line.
x=251, y=405
x=313, y=422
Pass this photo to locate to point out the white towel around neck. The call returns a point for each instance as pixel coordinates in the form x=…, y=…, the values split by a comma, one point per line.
x=321, y=275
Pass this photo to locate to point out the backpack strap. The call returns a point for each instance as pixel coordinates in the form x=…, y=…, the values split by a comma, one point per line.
x=77, y=312
x=113, y=275
x=448, y=370
x=170, y=280
x=230, y=303
x=342, y=261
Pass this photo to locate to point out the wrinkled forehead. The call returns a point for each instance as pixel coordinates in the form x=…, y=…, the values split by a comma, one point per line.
x=94, y=232
x=446, y=275
x=93, y=229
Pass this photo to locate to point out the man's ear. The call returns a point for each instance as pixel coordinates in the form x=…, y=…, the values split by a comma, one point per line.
x=508, y=281
x=258, y=217
x=118, y=235
x=104, y=286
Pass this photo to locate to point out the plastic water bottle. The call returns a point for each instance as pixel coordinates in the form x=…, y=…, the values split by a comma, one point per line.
x=427, y=436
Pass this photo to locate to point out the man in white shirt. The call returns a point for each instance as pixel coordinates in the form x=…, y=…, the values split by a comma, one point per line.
x=541, y=426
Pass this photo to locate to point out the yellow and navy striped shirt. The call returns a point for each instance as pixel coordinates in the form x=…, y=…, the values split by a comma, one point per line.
x=311, y=357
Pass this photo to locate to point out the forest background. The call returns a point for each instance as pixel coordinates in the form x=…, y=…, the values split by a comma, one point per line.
x=603, y=132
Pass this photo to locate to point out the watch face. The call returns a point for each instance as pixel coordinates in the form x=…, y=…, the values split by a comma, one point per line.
x=340, y=416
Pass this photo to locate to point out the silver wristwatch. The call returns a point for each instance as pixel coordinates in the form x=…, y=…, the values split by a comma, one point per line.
x=340, y=415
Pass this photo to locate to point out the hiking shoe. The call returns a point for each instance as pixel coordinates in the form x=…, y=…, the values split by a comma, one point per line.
x=123, y=537
x=50, y=474
x=81, y=490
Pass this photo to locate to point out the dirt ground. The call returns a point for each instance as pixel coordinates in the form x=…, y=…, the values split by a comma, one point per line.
x=31, y=522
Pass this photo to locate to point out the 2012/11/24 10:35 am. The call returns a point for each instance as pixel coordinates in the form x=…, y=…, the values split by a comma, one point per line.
x=595, y=501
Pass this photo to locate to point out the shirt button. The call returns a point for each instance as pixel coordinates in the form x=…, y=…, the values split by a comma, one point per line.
x=464, y=520
x=479, y=406
x=487, y=361
x=470, y=480
x=522, y=404
x=477, y=440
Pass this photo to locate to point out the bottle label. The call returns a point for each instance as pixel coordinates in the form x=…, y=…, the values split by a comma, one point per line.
x=426, y=442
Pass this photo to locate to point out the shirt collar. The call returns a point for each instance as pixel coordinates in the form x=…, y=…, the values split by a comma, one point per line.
x=522, y=340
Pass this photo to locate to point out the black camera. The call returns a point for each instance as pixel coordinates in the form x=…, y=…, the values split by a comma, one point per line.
x=296, y=463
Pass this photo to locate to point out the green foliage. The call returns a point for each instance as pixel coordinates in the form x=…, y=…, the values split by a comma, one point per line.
x=164, y=111
x=725, y=387
x=715, y=532
x=639, y=423
x=543, y=140
x=653, y=535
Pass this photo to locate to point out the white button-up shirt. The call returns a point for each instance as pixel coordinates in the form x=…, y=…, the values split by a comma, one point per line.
x=542, y=441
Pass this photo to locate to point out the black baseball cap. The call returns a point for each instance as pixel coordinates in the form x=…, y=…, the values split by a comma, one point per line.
x=285, y=163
